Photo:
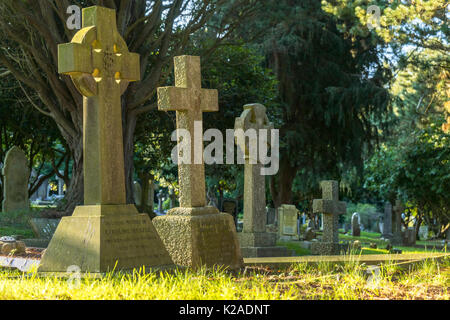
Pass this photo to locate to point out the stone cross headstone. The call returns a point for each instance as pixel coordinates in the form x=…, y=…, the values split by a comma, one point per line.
x=255, y=240
x=204, y=237
x=137, y=193
x=331, y=208
x=397, y=227
x=356, y=224
x=189, y=101
x=105, y=233
x=387, y=221
x=15, y=177
x=271, y=212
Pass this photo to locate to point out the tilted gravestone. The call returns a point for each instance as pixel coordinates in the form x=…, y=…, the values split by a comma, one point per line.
x=356, y=224
x=254, y=239
x=387, y=221
x=288, y=226
x=15, y=176
x=106, y=233
x=194, y=234
x=331, y=208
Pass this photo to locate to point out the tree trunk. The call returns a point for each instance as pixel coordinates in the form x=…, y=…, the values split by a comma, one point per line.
x=129, y=126
x=281, y=184
x=75, y=189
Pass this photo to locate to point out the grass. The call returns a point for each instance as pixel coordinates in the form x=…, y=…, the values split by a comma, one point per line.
x=427, y=280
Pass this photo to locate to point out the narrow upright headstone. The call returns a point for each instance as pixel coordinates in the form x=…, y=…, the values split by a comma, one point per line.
x=331, y=208
x=137, y=193
x=15, y=177
x=195, y=234
x=106, y=233
x=161, y=198
x=387, y=221
x=397, y=227
x=356, y=224
x=254, y=239
x=288, y=218
x=173, y=198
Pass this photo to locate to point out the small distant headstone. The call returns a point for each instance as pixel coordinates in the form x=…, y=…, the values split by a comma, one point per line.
x=288, y=228
x=397, y=226
x=173, y=198
x=230, y=206
x=16, y=175
x=271, y=213
x=387, y=221
x=356, y=225
x=137, y=193
x=409, y=237
x=44, y=228
x=423, y=232
x=331, y=208
x=310, y=234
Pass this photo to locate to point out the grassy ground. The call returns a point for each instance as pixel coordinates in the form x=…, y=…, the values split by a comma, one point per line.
x=428, y=280
x=366, y=238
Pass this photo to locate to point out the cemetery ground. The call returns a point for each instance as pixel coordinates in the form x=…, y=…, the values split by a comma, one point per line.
x=426, y=280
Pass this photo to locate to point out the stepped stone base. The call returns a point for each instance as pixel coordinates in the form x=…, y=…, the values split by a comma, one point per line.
x=261, y=244
x=198, y=237
x=103, y=238
x=327, y=248
x=257, y=239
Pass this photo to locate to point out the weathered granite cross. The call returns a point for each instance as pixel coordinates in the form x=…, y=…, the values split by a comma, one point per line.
x=331, y=208
x=101, y=67
x=253, y=117
x=189, y=101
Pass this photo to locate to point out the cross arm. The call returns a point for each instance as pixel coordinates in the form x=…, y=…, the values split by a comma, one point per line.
x=329, y=206
x=130, y=67
x=178, y=99
x=74, y=58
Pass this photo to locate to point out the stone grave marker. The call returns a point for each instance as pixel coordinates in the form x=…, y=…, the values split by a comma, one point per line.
x=106, y=233
x=137, y=193
x=423, y=232
x=397, y=227
x=409, y=237
x=15, y=176
x=194, y=234
x=331, y=208
x=230, y=206
x=387, y=221
x=254, y=239
x=288, y=227
x=356, y=225
x=271, y=214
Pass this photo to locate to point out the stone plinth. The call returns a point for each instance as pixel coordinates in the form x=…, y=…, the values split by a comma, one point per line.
x=198, y=237
x=101, y=238
x=327, y=248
